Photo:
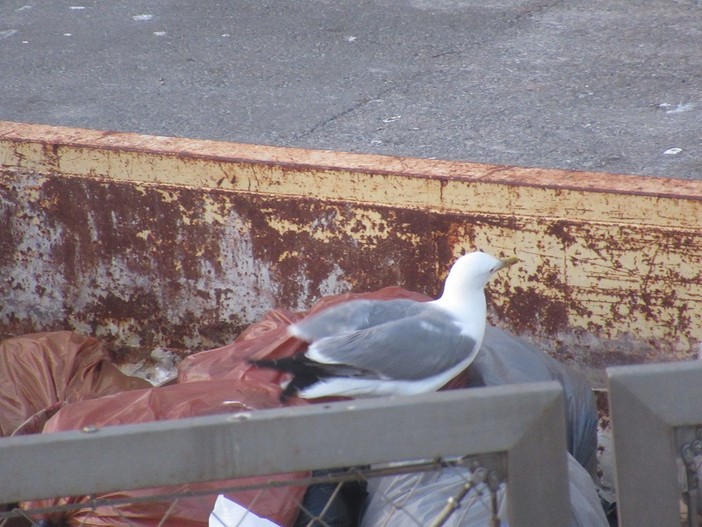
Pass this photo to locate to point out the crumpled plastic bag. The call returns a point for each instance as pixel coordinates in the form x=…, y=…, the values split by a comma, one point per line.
x=41, y=372
x=419, y=498
x=507, y=359
x=278, y=504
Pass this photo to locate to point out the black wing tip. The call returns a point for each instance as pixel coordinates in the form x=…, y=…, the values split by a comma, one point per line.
x=298, y=384
x=263, y=363
x=303, y=374
x=285, y=364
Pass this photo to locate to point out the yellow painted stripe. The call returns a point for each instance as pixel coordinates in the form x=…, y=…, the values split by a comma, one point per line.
x=450, y=186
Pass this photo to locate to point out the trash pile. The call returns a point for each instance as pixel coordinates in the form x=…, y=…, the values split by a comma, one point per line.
x=64, y=381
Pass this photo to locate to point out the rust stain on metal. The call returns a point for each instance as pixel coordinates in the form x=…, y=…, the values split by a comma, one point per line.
x=150, y=241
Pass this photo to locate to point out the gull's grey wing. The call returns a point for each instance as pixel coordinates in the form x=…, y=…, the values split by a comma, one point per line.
x=410, y=348
x=352, y=316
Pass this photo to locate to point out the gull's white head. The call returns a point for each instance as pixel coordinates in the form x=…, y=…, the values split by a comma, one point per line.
x=473, y=270
x=463, y=294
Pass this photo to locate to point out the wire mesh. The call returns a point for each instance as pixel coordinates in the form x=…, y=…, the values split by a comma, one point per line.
x=467, y=491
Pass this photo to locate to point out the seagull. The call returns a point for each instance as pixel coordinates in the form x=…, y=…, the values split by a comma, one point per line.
x=373, y=348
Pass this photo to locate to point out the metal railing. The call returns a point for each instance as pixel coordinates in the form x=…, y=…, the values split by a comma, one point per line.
x=656, y=412
x=523, y=423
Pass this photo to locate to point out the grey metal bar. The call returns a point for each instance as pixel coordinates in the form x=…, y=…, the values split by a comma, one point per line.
x=524, y=421
x=647, y=404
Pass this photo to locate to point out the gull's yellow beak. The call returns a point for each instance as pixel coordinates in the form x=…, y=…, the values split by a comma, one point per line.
x=506, y=262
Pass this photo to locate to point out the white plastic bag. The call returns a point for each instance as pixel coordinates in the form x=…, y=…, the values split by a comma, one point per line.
x=418, y=498
x=228, y=513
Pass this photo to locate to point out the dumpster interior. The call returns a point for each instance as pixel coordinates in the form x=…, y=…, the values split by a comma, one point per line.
x=158, y=261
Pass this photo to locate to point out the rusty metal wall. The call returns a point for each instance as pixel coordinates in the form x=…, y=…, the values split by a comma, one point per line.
x=150, y=241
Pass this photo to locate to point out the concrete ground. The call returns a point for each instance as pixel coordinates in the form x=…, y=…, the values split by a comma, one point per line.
x=578, y=84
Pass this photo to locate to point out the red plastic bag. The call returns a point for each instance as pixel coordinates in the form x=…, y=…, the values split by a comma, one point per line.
x=42, y=371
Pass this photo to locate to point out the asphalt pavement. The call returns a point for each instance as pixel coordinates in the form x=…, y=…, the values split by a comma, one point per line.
x=578, y=84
